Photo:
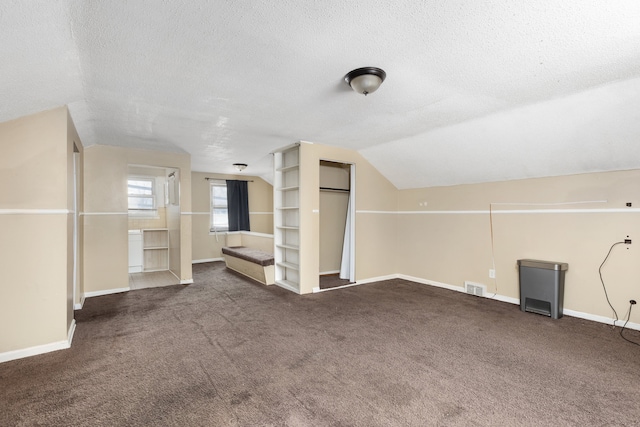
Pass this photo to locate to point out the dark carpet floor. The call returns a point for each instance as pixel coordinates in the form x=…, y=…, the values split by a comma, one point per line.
x=328, y=281
x=227, y=351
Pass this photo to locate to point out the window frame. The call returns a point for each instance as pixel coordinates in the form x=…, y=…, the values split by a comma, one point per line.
x=218, y=183
x=152, y=196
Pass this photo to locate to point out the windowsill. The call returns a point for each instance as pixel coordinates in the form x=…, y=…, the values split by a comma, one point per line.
x=214, y=232
x=252, y=233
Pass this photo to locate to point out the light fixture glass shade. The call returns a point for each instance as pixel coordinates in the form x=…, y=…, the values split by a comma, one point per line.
x=365, y=80
x=366, y=84
x=240, y=166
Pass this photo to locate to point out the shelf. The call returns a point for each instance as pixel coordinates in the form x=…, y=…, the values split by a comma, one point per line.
x=292, y=286
x=155, y=249
x=287, y=207
x=288, y=168
x=288, y=188
x=288, y=265
x=285, y=246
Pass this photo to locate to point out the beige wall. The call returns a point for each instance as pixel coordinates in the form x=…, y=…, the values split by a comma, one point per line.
x=208, y=246
x=106, y=219
x=445, y=235
x=263, y=242
x=36, y=216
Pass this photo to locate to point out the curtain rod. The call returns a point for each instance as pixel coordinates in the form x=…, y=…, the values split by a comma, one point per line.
x=346, y=190
x=224, y=179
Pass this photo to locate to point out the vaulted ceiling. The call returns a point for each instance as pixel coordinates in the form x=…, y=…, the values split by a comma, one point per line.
x=476, y=91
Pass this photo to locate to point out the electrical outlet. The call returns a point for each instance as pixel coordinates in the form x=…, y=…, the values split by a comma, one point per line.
x=492, y=273
x=627, y=241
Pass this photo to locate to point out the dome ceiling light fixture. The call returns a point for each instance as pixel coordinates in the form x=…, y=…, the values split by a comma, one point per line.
x=365, y=80
x=240, y=166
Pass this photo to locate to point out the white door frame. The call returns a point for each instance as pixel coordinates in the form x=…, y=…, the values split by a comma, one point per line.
x=76, y=157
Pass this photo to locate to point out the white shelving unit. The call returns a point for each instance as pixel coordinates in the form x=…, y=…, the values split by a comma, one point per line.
x=155, y=248
x=287, y=218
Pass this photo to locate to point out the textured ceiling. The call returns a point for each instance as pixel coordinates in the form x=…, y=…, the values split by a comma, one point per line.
x=476, y=91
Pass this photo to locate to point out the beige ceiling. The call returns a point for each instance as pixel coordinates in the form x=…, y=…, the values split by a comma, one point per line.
x=476, y=91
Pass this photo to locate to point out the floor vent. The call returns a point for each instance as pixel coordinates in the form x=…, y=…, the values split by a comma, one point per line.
x=475, y=289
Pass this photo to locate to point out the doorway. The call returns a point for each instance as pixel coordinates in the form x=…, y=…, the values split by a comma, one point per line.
x=337, y=224
x=77, y=303
x=153, y=226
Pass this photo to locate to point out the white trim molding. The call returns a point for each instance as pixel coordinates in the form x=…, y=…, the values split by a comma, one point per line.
x=497, y=297
x=432, y=283
x=201, y=261
x=377, y=212
x=78, y=306
x=103, y=213
x=287, y=287
x=323, y=273
x=181, y=281
x=516, y=301
x=359, y=282
x=72, y=330
x=35, y=211
x=106, y=292
x=254, y=233
x=508, y=211
x=40, y=349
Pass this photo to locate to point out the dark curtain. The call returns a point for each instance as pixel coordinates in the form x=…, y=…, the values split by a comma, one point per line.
x=238, y=205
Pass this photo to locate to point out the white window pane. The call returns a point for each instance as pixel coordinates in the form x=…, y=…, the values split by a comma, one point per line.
x=141, y=203
x=220, y=217
x=219, y=211
x=218, y=195
x=140, y=187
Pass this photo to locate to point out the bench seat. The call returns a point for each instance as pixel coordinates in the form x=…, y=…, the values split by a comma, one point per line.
x=250, y=262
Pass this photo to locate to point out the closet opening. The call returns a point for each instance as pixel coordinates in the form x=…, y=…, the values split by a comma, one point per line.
x=337, y=224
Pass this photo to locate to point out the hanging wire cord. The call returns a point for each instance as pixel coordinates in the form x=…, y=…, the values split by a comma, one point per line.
x=625, y=324
x=602, y=281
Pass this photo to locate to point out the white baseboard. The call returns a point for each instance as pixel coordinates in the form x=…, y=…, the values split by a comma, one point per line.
x=503, y=298
x=516, y=301
x=358, y=283
x=200, y=261
x=600, y=319
x=377, y=279
x=40, y=349
x=432, y=283
x=287, y=287
x=72, y=330
x=323, y=273
x=335, y=288
x=79, y=305
x=106, y=292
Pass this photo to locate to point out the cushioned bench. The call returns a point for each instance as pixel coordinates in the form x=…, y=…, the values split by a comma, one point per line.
x=250, y=262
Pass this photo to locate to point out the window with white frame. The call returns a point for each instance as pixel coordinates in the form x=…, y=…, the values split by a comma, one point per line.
x=141, y=193
x=219, y=207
